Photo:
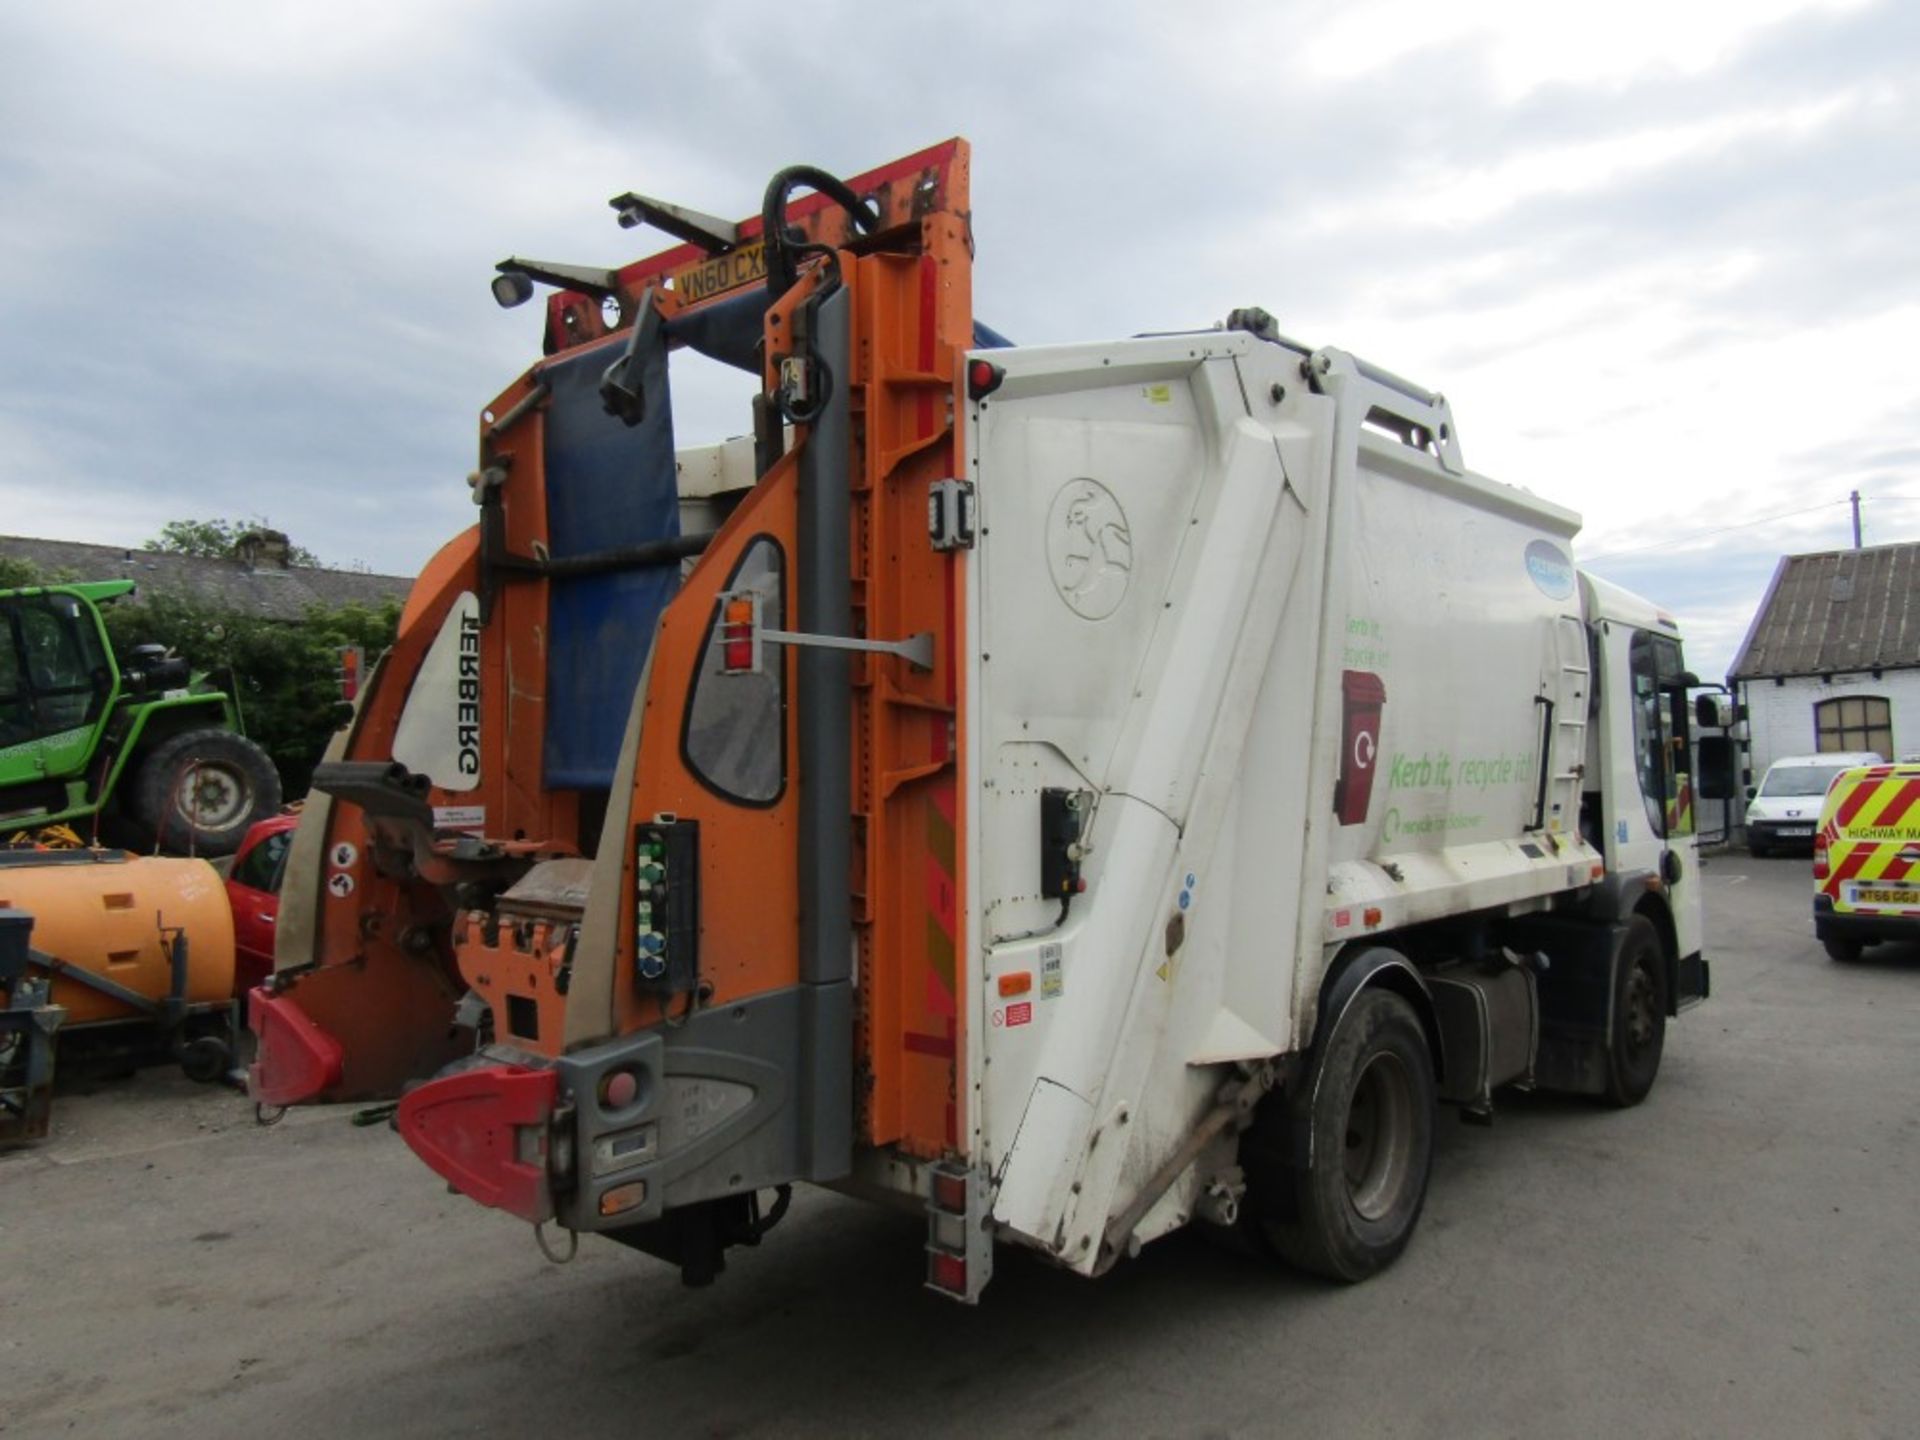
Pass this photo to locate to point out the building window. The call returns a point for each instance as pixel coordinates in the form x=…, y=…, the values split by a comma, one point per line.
x=1854, y=722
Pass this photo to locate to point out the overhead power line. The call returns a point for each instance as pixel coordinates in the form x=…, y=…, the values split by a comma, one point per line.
x=1728, y=529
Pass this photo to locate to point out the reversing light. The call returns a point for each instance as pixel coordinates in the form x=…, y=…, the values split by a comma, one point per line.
x=983, y=378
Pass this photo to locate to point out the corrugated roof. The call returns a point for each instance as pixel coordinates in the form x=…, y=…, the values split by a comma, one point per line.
x=277, y=592
x=1840, y=610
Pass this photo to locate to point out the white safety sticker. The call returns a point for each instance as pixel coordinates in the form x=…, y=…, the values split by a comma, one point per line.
x=1053, y=980
x=340, y=884
x=343, y=854
x=460, y=817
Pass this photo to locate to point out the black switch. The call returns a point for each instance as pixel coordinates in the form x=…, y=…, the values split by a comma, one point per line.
x=1063, y=819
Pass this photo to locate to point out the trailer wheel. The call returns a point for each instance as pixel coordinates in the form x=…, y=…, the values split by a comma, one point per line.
x=1370, y=1110
x=205, y=1060
x=203, y=789
x=1639, y=1031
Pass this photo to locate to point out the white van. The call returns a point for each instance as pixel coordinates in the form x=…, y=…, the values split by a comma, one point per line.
x=1786, y=808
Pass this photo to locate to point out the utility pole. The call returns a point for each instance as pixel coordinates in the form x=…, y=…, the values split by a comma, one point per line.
x=1855, y=497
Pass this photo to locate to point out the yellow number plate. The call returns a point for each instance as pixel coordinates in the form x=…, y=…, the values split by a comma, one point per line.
x=718, y=274
x=1884, y=895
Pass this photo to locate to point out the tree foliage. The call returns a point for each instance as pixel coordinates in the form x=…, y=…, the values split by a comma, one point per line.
x=284, y=676
x=214, y=539
x=15, y=574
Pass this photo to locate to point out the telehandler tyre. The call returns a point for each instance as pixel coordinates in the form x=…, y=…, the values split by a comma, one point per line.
x=1369, y=1105
x=201, y=790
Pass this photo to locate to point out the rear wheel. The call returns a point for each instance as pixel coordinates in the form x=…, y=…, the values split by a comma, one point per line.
x=1845, y=951
x=203, y=789
x=1639, y=1015
x=1370, y=1111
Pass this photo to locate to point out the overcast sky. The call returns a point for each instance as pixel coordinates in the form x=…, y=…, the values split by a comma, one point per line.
x=1663, y=258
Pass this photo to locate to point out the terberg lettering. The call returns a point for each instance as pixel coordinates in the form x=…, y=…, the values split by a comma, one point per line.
x=468, y=732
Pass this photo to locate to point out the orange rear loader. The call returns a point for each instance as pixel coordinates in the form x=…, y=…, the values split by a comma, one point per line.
x=638, y=867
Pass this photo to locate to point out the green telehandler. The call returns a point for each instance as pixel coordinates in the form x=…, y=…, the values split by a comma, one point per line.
x=147, y=753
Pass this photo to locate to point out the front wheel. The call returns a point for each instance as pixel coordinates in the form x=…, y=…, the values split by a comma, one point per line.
x=1370, y=1111
x=202, y=790
x=1639, y=1032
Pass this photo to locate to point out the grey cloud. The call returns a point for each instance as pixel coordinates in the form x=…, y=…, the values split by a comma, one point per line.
x=263, y=289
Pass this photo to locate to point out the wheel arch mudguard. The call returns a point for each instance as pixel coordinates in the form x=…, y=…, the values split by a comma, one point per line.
x=1357, y=969
x=1366, y=966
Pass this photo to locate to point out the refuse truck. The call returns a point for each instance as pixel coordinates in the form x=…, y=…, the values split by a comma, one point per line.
x=1076, y=791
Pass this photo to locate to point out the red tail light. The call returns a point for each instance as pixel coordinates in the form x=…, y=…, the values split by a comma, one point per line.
x=947, y=1272
x=485, y=1132
x=295, y=1060
x=1820, y=858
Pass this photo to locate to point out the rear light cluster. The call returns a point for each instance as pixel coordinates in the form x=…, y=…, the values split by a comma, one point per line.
x=947, y=1194
x=1820, y=870
x=737, y=640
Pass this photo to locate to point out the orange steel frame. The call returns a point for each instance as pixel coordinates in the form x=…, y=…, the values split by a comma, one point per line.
x=911, y=288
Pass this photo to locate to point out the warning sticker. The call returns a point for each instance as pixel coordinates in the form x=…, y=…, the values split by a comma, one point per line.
x=460, y=817
x=340, y=884
x=1021, y=1014
x=1053, y=980
x=343, y=854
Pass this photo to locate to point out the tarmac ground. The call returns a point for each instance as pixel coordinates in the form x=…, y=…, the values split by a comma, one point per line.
x=1733, y=1257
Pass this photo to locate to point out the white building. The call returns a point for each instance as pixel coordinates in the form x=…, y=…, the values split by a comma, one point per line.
x=1832, y=660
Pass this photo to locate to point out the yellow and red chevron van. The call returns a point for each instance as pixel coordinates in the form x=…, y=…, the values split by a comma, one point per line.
x=1866, y=860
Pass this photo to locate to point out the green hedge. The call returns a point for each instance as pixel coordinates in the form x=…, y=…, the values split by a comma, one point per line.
x=285, y=676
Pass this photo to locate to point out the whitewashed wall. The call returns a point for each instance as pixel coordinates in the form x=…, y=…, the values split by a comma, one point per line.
x=1781, y=716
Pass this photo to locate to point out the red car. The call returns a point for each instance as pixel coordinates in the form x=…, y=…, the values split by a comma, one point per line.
x=253, y=889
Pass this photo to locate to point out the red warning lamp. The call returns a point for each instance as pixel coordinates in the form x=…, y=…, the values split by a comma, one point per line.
x=736, y=636
x=983, y=378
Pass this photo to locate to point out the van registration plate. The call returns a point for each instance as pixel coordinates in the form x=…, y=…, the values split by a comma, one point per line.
x=1883, y=894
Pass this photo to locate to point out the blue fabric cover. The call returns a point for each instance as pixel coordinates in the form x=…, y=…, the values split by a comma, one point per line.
x=608, y=485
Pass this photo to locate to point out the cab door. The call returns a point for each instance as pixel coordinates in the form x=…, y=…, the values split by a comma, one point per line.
x=1662, y=741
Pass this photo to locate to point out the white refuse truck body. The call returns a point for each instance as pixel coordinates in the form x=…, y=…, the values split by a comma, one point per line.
x=1336, y=717
x=1075, y=790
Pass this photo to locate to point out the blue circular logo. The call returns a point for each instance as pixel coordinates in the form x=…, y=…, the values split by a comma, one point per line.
x=1550, y=569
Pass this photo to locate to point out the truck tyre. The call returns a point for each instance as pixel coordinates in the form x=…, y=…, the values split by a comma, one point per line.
x=202, y=790
x=1845, y=951
x=1370, y=1113
x=1639, y=1031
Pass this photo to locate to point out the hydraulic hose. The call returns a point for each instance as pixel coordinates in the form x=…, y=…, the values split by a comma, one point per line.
x=782, y=248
